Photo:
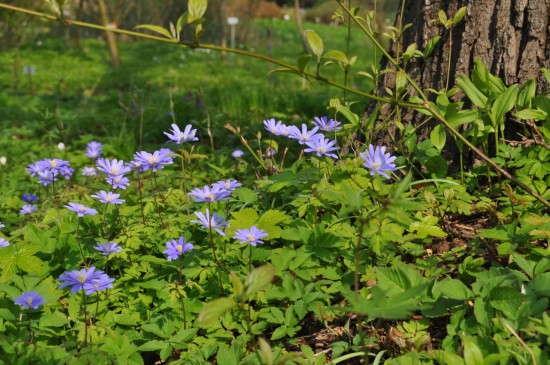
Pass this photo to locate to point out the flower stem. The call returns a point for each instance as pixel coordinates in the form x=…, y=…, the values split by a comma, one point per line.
x=141, y=200
x=78, y=241
x=183, y=185
x=85, y=317
x=29, y=328
x=180, y=283
x=154, y=187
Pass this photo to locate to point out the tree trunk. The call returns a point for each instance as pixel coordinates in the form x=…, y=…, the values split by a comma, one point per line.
x=511, y=37
x=109, y=36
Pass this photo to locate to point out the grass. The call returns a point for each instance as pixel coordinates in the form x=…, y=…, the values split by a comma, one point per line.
x=75, y=92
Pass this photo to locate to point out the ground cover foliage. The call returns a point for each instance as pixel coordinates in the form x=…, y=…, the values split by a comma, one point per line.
x=277, y=248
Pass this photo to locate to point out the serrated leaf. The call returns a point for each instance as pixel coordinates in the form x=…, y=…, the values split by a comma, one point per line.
x=453, y=289
x=315, y=43
x=153, y=345
x=184, y=335
x=156, y=29
x=259, y=279
x=279, y=332
x=212, y=311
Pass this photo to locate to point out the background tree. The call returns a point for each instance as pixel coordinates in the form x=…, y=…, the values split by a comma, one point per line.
x=511, y=37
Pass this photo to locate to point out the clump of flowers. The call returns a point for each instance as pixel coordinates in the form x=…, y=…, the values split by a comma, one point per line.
x=48, y=169
x=93, y=149
x=276, y=127
x=88, y=280
x=378, y=162
x=327, y=125
x=115, y=170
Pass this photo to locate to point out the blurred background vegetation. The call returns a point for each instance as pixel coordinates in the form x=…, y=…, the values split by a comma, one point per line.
x=58, y=82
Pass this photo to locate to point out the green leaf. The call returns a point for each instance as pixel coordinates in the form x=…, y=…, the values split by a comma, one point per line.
x=430, y=46
x=196, y=9
x=212, y=311
x=238, y=286
x=427, y=227
x=526, y=94
x=7, y=263
x=462, y=117
x=315, y=43
x=535, y=114
x=541, y=284
x=471, y=91
x=337, y=56
x=153, y=345
x=453, y=289
x=442, y=18
x=156, y=29
x=246, y=195
x=503, y=104
x=184, y=335
x=438, y=137
x=472, y=353
x=400, y=80
x=259, y=279
x=279, y=333
x=459, y=15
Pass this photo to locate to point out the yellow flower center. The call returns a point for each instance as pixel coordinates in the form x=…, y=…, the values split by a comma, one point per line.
x=152, y=159
x=81, y=278
x=53, y=163
x=179, y=248
x=29, y=300
x=250, y=237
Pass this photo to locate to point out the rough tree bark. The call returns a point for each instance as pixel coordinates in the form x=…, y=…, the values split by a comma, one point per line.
x=511, y=37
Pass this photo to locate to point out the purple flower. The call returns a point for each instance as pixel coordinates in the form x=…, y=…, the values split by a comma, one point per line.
x=108, y=248
x=304, y=135
x=378, y=162
x=228, y=185
x=209, y=194
x=29, y=198
x=175, y=249
x=93, y=149
x=152, y=161
x=80, y=209
x=89, y=280
x=89, y=171
x=118, y=182
x=28, y=209
x=99, y=282
x=46, y=177
x=112, y=168
x=210, y=222
x=108, y=197
x=188, y=135
x=269, y=152
x=4, y=243
x=276, y=128
x=237, y=154
x=322, y=147
x=252, y=235
x=30, y=299
x=327, y=125
x=53, y=164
